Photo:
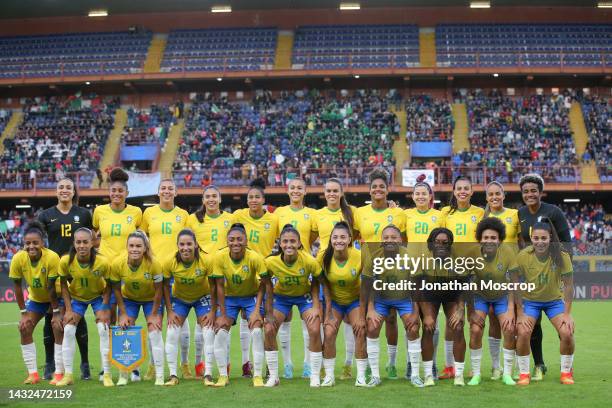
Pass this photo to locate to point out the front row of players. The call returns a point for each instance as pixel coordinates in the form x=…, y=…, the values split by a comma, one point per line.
x=339, y=285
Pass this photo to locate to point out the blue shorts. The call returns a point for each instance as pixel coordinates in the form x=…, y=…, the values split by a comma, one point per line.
x=37, y=307
x=284, y=304
x=97, y=305
x=132, y=308
x=534, y=309
x=233, y=305
x=201, y=306
x=500, y=305
x=344, y=310
x=383, y=307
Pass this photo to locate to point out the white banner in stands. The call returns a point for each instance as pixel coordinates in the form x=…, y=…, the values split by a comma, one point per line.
x=143, y=184
x=409, y=176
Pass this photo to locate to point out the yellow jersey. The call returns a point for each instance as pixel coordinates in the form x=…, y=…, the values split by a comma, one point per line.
x=37, y=274
x=163, y=227
x=212, y=233
x=261, y=232
x=301, y=220
x=509, y=217
x=420, y=224
x=242, y=277
x=294, y=279
x=344, y=278
x=114, y=227
x=190, y=281
x=137, y=285
x=324, y=222
x=371, y=222
x=88, y=281
x=497, y=270
x=462, y=223
x=545, y=275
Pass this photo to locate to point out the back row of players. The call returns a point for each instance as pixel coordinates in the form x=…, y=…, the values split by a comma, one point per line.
x=221, y=265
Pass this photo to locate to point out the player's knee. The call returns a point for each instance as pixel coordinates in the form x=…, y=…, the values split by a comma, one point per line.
x=329, y=333
x=475, y=331
x=523, y=332
x=269, y=330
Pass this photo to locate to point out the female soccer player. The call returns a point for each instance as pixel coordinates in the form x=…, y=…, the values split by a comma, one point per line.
x=341, y=265
x=137, y=278
x=546, y=265
x=246, y=280
x=85, y=280
x=114, y=222
x=369, y=222
x=385, y=301
x=34, y=264
x=262, y=230
x=60, y=221
x=162, y=222
x=296, y=274
x=209, y=222
x=495, y=196
x=439, y=245
x=336, y=209
x=499, y=262
x=302, y=218
x=189, y=270
x=460, y=217
x=534, y=210
x=420, y=221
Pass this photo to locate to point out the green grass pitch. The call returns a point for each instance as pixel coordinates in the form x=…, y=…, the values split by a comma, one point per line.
x=592, y=387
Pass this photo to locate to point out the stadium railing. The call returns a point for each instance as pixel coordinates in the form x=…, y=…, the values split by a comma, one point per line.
x=525, y=59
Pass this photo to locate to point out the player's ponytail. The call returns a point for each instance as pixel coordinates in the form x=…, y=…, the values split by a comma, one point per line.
x=118, y=175
x=347, y=213
x=329, y=251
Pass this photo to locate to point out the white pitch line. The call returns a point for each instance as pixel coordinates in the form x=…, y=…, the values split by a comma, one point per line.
x=8, y=323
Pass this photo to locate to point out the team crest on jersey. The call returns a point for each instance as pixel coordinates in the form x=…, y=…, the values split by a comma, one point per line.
x=178, y=218
x=306, y=216
x=43, y=270
x=353, y=271
x=500, y=267
x=434, y=218
x=96, y=273
x=245, y=268
x=198, y=272
x=267, y=226
x=390, y=218
x=508, y=220
x=147, y=276
x=226, y=224
x=129, y=219
x=77, y=218
x=473, y=218
x=302, y=271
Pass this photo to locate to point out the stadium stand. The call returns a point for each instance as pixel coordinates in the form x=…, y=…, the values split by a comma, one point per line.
x=428, y=119
x=368, y=46
x=148, y=125
x=597, y=113
x=54, y=132
x=296, y=134
x=535, y=45
x=73, y=54
x=5, y=116
x=231, y=49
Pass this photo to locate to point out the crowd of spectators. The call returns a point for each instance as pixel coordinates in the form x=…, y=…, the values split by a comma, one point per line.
x=428, y=119
x=597, y=113
x=591, y=229
x=303, y=133
x=146, y=126
x=11, y=241
x=57, y=136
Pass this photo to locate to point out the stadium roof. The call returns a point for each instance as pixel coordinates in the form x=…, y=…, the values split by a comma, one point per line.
x=56, y=8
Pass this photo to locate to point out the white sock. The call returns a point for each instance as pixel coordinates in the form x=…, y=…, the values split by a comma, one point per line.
x=523, y=363
x=57, y=357
x=508, y=361
x=494, y=347
x=567, y=361
x=157, y=350
x=199, y=343
x=284, y=335
x=459, y=368
x=221, y=340
x=414, y=351
x=428, y=368
x=208, y=338
x=436, y=341
x=172, y=338
x=448, y=353
x=185, y=338
x=407, y=348
x=103, y=332
x=272, y=360
x=391, y=353
x=68, y=348
x=322, y=334
x=29, y=357
x=373, y=349
x=306, y=338
x=258, y=351
x=330, y=366
x=228, y=345
x=245, y=340
x=362, y=365
x=151, y=357
x=349, y=343
x=475, y=359
x=315, y=364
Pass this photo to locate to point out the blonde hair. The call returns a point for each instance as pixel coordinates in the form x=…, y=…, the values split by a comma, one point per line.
x=148, y=255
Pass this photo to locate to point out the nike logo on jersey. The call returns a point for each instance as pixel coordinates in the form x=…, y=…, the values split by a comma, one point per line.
x=53, y=219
